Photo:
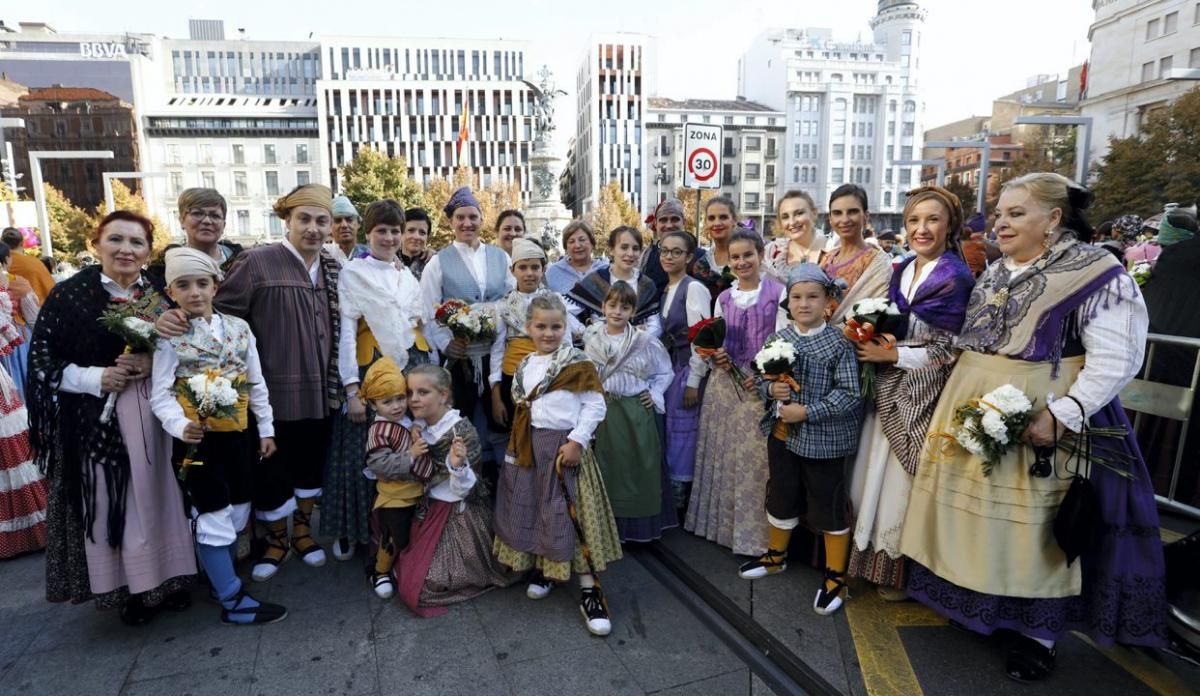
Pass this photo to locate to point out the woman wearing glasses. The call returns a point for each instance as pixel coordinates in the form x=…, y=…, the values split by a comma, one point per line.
x=202, y=214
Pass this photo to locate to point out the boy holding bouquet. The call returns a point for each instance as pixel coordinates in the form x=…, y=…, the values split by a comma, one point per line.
x=808, y=375
x=205, y=383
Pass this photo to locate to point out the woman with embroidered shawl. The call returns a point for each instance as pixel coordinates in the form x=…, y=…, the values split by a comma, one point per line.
x=685, y=303
x=866, y=269
x=560, y=402
x=586, y=300
x=714, y=267
x=115, y=523
x=730, y=485
x=931, y=289
x=449, y=554
x=1063, y=322
x=796, y=215
x=381, y=314
x=635, y=372
x=22, y=489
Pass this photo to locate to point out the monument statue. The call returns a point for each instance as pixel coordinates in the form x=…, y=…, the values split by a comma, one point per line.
x=545, y=210
x=544, y=95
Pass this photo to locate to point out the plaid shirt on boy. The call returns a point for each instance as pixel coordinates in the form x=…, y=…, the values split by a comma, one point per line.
x=827, y=370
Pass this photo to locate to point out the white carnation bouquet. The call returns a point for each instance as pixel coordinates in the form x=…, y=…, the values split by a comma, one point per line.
x=775, y=362
x=211, y=395
x=473, y=324
x=988, y=426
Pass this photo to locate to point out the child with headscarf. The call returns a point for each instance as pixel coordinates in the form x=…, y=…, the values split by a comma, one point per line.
x=809, y=434
x=399, y=462
x=214, y=455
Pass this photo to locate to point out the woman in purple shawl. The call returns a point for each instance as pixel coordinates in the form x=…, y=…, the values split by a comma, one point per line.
x=1060, y=320
x=931, y=290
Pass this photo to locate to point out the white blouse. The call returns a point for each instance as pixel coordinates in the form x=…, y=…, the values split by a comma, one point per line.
x=391, y=286
x=461, y=480
x=561, y=409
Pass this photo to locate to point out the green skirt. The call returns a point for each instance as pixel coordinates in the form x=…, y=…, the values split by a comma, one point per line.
x=629, y=451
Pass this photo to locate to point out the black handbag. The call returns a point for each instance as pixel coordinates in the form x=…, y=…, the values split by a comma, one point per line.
x=1079, y=524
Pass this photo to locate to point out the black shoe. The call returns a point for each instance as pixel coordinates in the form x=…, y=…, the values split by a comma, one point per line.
x=769, y=563
x=595, y=612
x=1029, y=660
x=178, y=601
x=135, y=613
x=244, y=610
x=829, y=601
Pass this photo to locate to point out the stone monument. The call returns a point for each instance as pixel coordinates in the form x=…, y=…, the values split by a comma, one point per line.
x=545, y=216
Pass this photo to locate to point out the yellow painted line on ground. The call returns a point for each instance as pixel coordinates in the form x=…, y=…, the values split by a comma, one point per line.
x=881, y=655
x=1169, y=536
x=1146, y=669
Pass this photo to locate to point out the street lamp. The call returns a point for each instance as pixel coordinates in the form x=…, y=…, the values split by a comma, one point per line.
x=109, y=176
x=984, y=162
x=39, y=196
x=1083, y=148
x=939, y=163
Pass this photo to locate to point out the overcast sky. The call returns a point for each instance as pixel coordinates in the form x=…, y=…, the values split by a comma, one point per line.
x=972, y=51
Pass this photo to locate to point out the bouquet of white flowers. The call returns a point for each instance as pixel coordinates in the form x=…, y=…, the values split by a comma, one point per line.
x=212, y=396
x=776, y=360
x=1141, y=272
x=472, y=324
x=988, y=426
x=133, y=321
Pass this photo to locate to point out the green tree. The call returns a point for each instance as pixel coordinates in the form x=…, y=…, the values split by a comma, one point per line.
x=1160, y=165
x=495, y=198
x=687, y=196
x=372, y=175
x=125, y=198
x=613, y=210
x=967, y=194
x=6, y=196
x=70, y=227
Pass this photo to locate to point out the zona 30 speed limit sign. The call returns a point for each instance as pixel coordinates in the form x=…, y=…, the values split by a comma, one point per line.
x=702, y=156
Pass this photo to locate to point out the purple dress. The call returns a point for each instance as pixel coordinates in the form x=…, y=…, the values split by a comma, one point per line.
x=682, y=423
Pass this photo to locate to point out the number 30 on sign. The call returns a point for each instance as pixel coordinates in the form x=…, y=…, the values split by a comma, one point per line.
x=702, y=156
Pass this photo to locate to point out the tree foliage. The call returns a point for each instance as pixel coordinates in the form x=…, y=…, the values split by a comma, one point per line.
x=1160, y=165
x=6, y=195
x=612, y=211
x=372, y=175
x=495, y=198
x=70, y=227
x=967, y=194
x=687, y=196
x=125, y=198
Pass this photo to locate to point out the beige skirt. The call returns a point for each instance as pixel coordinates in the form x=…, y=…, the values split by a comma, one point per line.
x=990, y=534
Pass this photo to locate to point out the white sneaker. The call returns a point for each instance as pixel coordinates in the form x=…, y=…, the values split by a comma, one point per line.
x=539, y=589
x=343, y=550
x=594, y=613
x=315, y=558
x=384, y=588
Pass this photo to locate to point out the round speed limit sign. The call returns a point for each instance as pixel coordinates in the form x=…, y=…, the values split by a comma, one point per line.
x=702, y=164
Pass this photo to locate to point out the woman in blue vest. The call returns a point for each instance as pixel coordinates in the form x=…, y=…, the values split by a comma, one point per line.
x=473, y=272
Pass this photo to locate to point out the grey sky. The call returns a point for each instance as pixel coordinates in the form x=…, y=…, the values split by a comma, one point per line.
x=972, y=51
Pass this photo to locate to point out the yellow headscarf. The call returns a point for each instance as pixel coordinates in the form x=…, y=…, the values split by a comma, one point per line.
x=383, y=379
x=316, y=195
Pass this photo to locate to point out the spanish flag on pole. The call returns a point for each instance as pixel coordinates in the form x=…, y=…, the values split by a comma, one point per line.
x=462, y=132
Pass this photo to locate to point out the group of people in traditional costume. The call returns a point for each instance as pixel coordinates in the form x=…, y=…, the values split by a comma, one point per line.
x=587, y=419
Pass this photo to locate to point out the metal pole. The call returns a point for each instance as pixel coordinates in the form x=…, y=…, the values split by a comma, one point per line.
x=1083, y=154
x=984, y=166
x=39, y=197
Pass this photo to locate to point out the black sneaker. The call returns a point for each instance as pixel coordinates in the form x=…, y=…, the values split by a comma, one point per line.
x=829, y=601
x=595, y=613
x=539, y=587
x=244, y=610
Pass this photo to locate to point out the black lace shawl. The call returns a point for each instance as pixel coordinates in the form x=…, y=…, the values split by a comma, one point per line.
x=68, y=438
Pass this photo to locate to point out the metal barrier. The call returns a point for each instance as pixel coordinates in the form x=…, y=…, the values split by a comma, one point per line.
x=1146, y=397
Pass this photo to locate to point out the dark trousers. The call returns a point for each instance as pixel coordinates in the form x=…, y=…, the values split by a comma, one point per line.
x=299, y=462
x=395, y=526
x=225, y=476
x=814, y=489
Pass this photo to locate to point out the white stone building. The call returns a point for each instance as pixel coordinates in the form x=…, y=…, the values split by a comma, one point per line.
x=615, y=76
x=407, y=96
x=852, y=108
x=751, y=154
x=236, y=115
x=1145, y=54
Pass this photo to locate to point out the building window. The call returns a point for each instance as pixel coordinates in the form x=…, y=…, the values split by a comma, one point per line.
x=905, y=176
x=272, y=183
x=753, y=172
x=303, y=177
x=239, y=154
x=302, y=153
x=243, y=222
x=905, y=61
x=839, y=152
x=208, y=180
x=770, y=173
x=906, y=152
x=750, y=120
x=910, y=107
x=839, y=175
x=887, y=199
x=1171, y=23
x=1164, y=66
x=176, y=183
x=906, y=39
x=1152, y=29
x=269, y=154
x=839, y=127
x=239, y=184
x=796, y=174
x=1194, y=59
x=172, y=154
x=892, y=107
x=751, y=201
x=887, y=176
x=1147, y=71
x=803, y=175
x=909, y=128
x=206, y=154
x=729, y=120
x=753, y=144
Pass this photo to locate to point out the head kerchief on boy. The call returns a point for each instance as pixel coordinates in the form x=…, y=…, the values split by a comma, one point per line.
x=812, y=273
x=343, y=207
x=383, y=379
x=462, y=198
x=185, y=262
x=527, y=249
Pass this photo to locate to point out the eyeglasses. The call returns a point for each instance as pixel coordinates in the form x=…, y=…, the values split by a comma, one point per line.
x=202, y=215
x=673, y=253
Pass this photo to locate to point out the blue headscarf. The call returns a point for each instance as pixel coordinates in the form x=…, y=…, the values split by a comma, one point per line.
x=462, y=198
x=812, y=273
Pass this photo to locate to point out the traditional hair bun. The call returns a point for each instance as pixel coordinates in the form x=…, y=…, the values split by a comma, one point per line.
x=1080, y=197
